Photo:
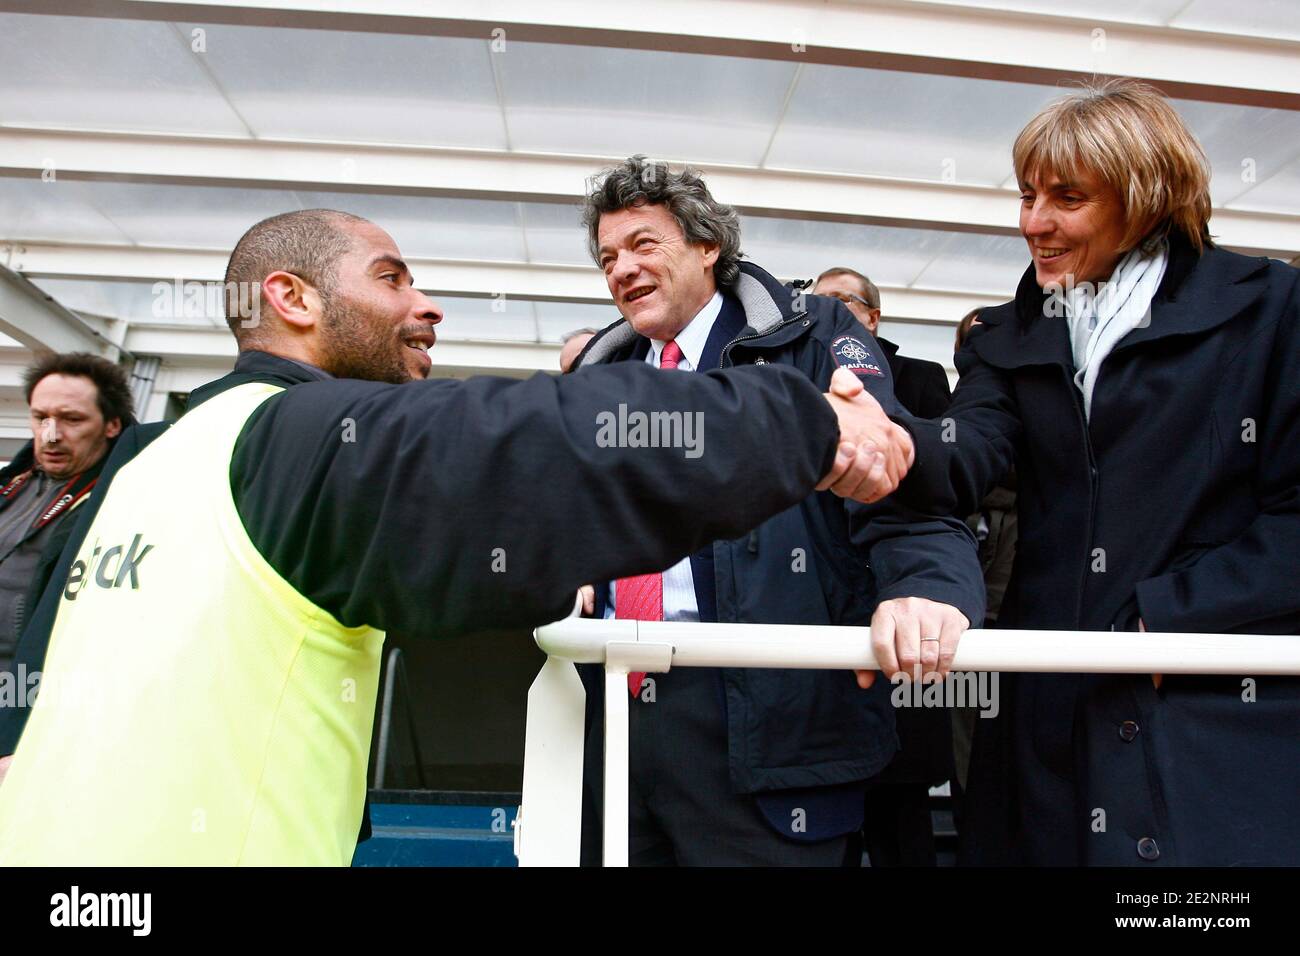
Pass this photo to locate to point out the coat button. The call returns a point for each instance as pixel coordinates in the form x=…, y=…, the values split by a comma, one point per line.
x=1128, y=730
x=1147, y=849
x=807, y=322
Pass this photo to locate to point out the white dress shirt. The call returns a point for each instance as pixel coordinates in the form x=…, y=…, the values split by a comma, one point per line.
x=679, y=585
x=692, y=338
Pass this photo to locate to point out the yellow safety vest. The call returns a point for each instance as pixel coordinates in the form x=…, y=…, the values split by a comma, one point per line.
x=195, y=709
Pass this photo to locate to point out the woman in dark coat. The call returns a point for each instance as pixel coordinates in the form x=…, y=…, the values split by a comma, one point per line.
x=1146, y=385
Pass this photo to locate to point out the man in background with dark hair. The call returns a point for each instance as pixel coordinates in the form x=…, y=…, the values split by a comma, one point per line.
x=79, y=405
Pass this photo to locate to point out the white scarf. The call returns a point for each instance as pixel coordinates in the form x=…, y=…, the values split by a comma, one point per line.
x=1100, y=317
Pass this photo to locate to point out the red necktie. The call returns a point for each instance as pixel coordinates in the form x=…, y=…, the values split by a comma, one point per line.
x=642, y=598
x=639, y=599
x=670, y=356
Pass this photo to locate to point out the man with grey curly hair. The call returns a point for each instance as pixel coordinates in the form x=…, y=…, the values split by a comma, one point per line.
x=763, y=767
x=702, y=219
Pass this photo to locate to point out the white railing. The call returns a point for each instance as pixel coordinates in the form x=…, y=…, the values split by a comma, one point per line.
x=549, y=829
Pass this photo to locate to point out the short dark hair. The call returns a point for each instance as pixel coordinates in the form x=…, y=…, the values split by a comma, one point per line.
x=112, y=392
x=306, y=242
x=869, y=290
x=639, y=181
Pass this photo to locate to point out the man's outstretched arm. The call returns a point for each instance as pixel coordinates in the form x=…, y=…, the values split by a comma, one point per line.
x=441, y=507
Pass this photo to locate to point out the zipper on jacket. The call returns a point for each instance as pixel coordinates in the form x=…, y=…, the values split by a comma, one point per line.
x=726, y=349
x=752, y=545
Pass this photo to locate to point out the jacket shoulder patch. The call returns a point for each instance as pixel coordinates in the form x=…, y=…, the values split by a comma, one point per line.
x=853, y=354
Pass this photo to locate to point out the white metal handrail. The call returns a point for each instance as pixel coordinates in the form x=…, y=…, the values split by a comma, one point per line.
x=552, y=794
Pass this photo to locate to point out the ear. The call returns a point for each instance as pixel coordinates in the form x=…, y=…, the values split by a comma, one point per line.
x=874, y=324
x=290, y=299
x=711, y=251
x=113, y=428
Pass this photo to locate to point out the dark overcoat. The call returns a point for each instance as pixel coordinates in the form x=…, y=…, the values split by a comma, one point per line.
x=1177, y=503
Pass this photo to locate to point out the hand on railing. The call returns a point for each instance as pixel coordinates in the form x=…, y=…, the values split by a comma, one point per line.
x=585, y=606
x=916, y=637
x=874, y=454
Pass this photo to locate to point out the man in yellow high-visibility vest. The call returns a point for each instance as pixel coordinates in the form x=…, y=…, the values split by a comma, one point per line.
x=211, y=675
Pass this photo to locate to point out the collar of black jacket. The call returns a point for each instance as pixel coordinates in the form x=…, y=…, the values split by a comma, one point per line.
x=766, y=302
x=254, y=366
x=22, y=461
x=1199, y=291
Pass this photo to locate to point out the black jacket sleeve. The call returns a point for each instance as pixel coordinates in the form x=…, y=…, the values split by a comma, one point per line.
x=918, y=555
x=911, y=553
x=963, y=454
x=440, y=507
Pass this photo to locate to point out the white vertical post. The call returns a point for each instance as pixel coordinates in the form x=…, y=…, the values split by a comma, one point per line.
x=616, y=765
x=550, y=834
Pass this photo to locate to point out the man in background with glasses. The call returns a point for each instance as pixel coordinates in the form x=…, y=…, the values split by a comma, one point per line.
x=920, y=386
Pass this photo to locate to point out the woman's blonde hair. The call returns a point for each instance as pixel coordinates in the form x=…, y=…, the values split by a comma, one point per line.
x=1127, y=133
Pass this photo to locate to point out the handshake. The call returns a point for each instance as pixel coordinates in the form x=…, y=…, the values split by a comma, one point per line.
x=874, y=454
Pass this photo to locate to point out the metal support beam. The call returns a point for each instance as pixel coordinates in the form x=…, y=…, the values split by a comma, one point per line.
x=938, y=38
x=538, y=177
x=437, y=277
x=40, y=323
x=143, y=375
